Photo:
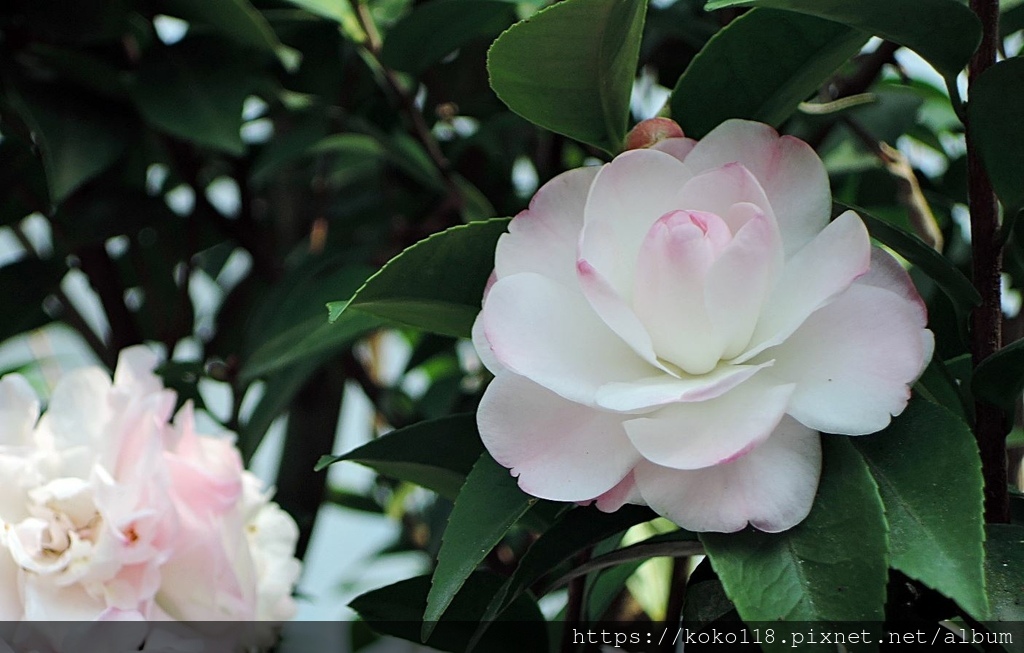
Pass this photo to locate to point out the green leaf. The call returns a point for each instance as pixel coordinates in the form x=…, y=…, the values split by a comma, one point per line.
x=293, y=328
x=945, y=32
x=25, y=284
x=436, y=285
x=569, y=68
x=998, y=130
x=928, y=471
x=999, y=379
x=1004, y=571
x=488, y=504
x=281, y=387
x=952, y=282
x=397, y=610
x=577, y=530
x=78, y=139
x=194, y=90
x=433, y=30
x=761, y=66
x=238, y=20
x=829, y=568
x=437, y=454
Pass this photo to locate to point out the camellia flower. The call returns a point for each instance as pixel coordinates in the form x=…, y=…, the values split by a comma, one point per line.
x=112, y=512
x=675, y=328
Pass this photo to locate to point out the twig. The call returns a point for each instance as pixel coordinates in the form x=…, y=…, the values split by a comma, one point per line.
x=922, y=220
x=407, y=105
x=986, y=320
x=69, y=313
x=574, y=608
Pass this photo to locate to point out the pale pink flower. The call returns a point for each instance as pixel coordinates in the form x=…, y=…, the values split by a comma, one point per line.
x=675, y=328
x=105, y=502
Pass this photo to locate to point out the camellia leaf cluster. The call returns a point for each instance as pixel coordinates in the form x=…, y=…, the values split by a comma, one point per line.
x=753, y=361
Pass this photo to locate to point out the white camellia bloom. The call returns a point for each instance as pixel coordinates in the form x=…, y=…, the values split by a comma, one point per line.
x=112, y=512
x=675, y=328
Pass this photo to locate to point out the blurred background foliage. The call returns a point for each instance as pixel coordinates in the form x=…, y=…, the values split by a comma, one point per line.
x=205, y=176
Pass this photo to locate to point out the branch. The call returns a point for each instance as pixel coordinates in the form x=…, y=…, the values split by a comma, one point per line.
x=407, y=105
x=986, y=320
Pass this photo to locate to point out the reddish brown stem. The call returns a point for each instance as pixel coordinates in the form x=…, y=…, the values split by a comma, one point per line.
x=986, y=320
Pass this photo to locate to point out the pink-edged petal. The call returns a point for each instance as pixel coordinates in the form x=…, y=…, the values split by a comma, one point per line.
x=483, y=347
x=19, y=410
x=544, y=237
x=616, y=313
x=789, y=171
x=663, y=389
x=680, y=148
x=668, y=297
x=701, y=434
x=886, y=272
x=625, y=492
x=627, y=197
x=550, y=334
x=719, y=190
x=560, y=450
x=771, y=488
x=853, y=361
x=827, y=266
x=738, y=283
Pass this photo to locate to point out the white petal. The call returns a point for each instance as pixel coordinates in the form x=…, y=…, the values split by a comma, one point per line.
x=789, y=171
x=627, y=197
x=625, y=492
x=772, y=487
x=719, y=191
x=700, y=434
x=550, y=334
x=886, y=272
x=483, y=347
x=134, y=371
x=19, y=410
x=853, y=361
x=680, y=148
x=616, y=313
x=828, y=265
x=560, y=450
x=663, y=389
x=738, y=283
x=79, y=413
x=544, y=237
x=668, y=295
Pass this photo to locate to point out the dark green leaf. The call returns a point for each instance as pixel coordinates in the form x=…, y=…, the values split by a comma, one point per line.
x=25, y=284
x=938, y=386
x=435, y=29
x=488, y=504
x=1004, y=576
x=827, y=569
x=933, y=500
x=760, y=67
x=397, y=610
x=577, y=530
x=999, y=379
x=998, y=129
x=952, y=282
x=280, y=389
x=293, y=326
x=238, y=20
x=675, y=544
x=945, y=32
x=437, y=454
x=436, y=285
x=569, y=68
x=194, y=90
x=78, y=139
